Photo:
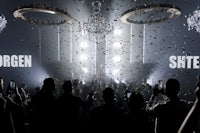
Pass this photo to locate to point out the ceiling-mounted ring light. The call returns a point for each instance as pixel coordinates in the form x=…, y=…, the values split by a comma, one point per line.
x=24, y=14
x=149, y=14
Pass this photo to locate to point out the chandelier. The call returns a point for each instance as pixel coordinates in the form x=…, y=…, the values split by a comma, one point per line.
x=193, y=20
x=96, y=23
x=3, y=22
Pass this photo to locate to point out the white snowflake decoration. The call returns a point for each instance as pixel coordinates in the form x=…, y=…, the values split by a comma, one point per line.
x=193, y=20
x=3, y=23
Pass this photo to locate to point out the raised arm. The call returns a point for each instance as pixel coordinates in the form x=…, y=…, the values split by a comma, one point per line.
x=191, y=120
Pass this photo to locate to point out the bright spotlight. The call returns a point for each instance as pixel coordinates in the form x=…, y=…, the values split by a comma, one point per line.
x=117, y=32
x=83, y=44
x=123, y=81
x=117, y=81
x=83, y=57
x=85, y=69
x=115, y=71
x=116, y=45
x=117, y=59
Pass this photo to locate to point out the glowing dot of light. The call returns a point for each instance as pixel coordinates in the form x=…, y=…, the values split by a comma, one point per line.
x=83, y=57
x=115, y=71
x=83, y=44
x=117, y=32
x=116, y=59
x=85, y=69
x=116, y=45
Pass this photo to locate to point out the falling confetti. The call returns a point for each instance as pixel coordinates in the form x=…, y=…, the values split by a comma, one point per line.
x=193, y=20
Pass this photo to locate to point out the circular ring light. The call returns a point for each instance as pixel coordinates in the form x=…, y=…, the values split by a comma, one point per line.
x=23, y=13
x=149, y=14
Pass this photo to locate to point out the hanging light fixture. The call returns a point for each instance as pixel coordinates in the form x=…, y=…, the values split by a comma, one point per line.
x=42, y=15
x=148, y=14
x=3, y=23
x=96, y=23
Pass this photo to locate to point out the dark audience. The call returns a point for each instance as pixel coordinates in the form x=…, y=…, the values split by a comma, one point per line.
x=170, y=115
x=108, y=117
x=44, y=109
x=106, y=109
x=6, y=121
x=137, y=118
x=13, y=111
x=69, y=106
x=192, y=120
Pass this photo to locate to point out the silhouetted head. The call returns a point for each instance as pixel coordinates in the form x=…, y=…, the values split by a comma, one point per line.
x=172, y=87
x=156, y=90
x=108, y=94
x=67, y=87
x=48, y=85
x=136, y=101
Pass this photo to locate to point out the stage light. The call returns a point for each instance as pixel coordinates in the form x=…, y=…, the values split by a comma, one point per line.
x=85, y=69
x=117, y=32
x=116, y=59
x=83, y=44
x=123, y=81
x=116, y=45
x=150, y=81
x=116, y=71
x=117, y=81
x=83, y=57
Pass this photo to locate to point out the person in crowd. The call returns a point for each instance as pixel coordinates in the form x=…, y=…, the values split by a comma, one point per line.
x=22, y=91
x=15, y=107
x=108, y=117
x=69, y=106
x=170, y=115
x=10, y=88
x=6, y=120
x=44, y=109
x=17, y=112
x=192, y=120
x=157, y=97
x=137, y=119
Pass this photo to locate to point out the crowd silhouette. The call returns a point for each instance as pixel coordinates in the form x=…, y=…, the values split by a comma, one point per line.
x=98, y=110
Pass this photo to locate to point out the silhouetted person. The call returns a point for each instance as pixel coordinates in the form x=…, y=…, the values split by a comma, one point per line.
x=44, y=106
x=108, y=117
x=6, y=121
x=6, y=118
x=14, y=107
x=171, y=114
x=70, y=109
x=137, y=120
x=192, y=120
x=156, y=97
x=11, y=87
